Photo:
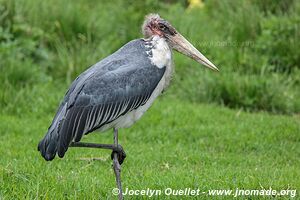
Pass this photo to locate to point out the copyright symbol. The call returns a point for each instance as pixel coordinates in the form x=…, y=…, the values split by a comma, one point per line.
x=115, y=191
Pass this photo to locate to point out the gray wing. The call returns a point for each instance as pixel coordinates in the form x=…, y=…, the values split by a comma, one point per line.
x=113, y=87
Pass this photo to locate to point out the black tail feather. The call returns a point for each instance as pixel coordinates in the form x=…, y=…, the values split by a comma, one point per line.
x=48, y=145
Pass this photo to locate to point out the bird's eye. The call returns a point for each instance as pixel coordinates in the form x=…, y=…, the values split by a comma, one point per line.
x=162, y=27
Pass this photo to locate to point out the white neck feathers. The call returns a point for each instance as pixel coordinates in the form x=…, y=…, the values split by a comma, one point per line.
x=161, y=53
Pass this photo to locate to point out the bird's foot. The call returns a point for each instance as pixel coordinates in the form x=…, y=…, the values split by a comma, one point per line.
x=120, y=152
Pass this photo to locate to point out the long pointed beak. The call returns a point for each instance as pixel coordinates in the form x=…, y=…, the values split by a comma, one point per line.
x=180, y=44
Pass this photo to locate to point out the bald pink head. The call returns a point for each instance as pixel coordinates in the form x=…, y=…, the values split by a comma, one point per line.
x=155, y=25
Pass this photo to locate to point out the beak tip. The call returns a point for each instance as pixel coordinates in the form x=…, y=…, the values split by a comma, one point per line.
x=213, y=67
x=216, y=69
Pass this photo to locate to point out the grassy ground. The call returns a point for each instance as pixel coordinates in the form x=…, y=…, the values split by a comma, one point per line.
x=182, y=141
x=176, y=144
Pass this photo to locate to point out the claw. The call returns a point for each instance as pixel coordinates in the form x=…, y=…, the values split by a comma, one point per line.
x=120, y=152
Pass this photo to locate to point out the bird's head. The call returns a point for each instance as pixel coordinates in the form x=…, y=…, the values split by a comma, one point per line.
x=155, y=25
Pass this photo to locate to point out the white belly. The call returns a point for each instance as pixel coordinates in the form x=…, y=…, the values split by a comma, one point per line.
x=162, y=56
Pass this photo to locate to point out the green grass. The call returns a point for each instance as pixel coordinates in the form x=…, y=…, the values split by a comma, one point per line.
x=176, y=144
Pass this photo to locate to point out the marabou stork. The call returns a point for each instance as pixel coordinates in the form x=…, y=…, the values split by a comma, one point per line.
x=117, y=91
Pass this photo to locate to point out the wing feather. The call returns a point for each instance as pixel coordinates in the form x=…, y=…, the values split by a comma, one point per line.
x=111, y=88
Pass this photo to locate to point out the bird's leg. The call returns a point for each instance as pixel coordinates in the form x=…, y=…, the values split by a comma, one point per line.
x=115, y=148
x=120, y=152
x=117, y=166
x=118, y=155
